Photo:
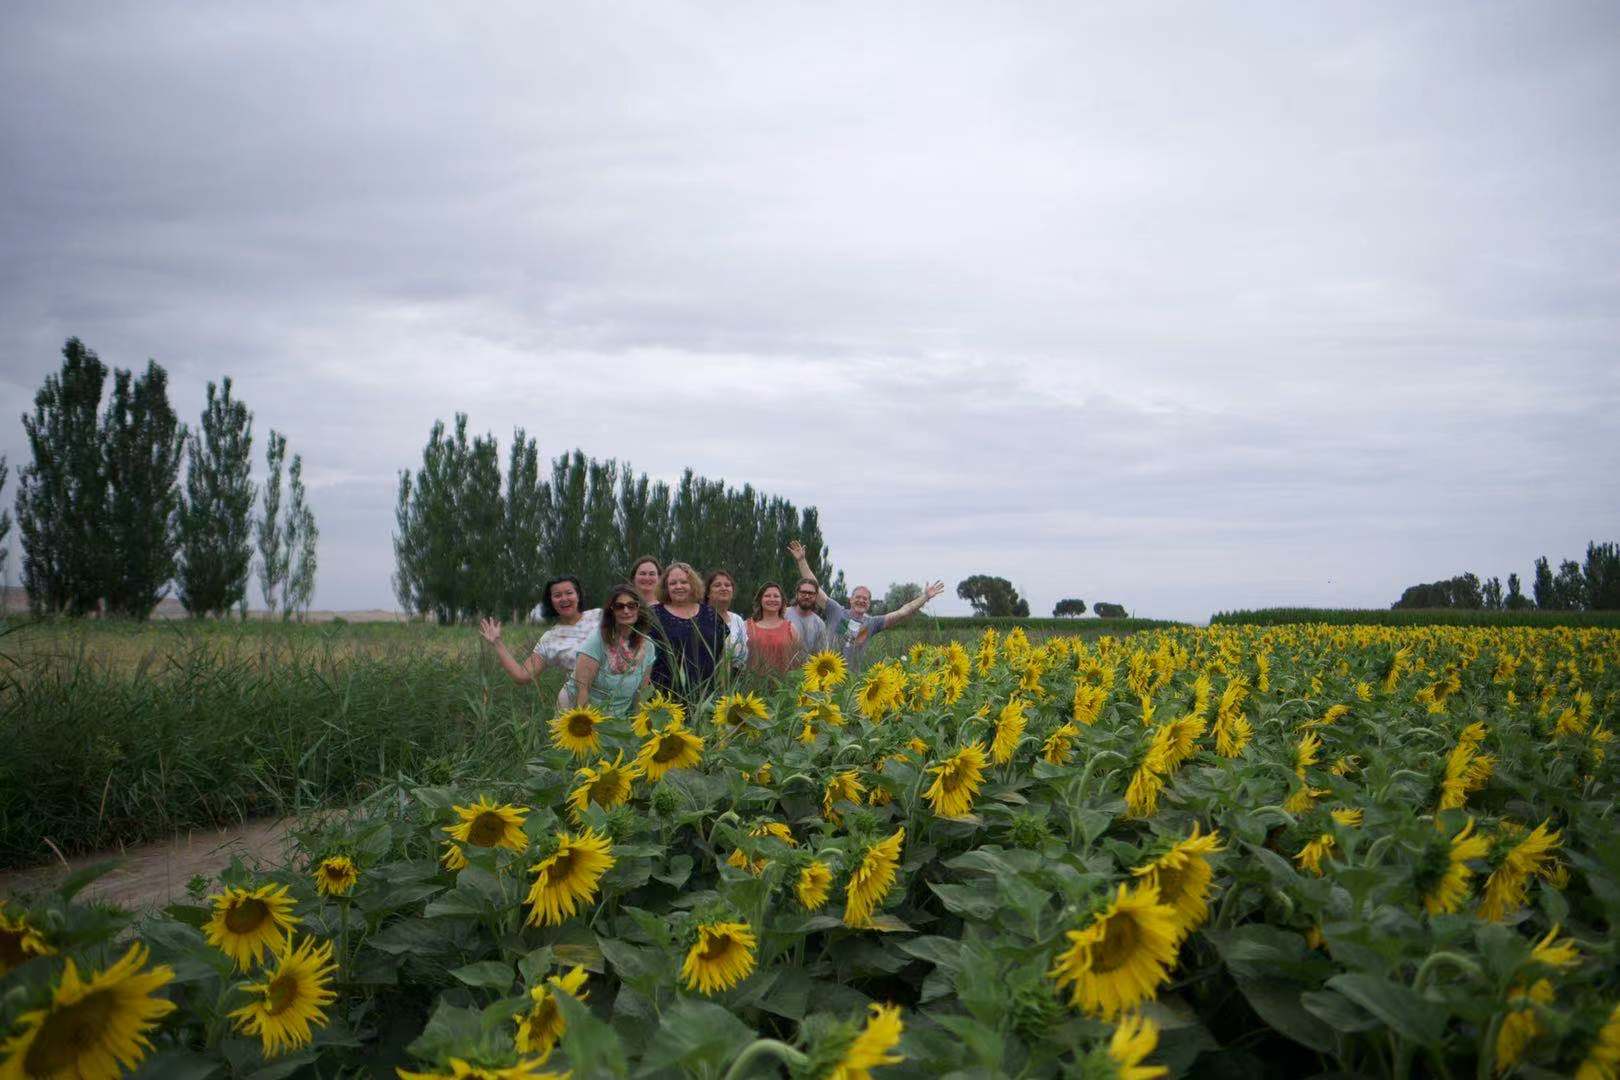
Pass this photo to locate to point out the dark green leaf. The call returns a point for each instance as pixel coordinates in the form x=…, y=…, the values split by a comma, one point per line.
x=1398, y=1006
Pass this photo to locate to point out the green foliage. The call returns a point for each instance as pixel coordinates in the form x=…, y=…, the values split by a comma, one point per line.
x=1105, y=610
x=274, y=558
x=898, y=595
x=5, y=519
x=300, y=536
x=1068, y=608
x=216, y=517
x=1601, y=576
x=1522, y=616
x=142, y=440
x=62, y=492
x=1462, y=591
x=993, y=596
x=464, y=547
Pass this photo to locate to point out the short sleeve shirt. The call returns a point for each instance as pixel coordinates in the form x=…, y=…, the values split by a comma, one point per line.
x=559, y=647
x=851, y=632
x=812, y=628
x=618, y=676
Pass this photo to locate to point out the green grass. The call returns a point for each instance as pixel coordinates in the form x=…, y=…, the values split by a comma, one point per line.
x=118, y=733
x=1416, y=617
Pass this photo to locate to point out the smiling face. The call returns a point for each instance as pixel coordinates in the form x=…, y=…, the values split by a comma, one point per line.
x=565, y=599
x=805, y=596
x=770, y=601
x=645, y=577
x=625, y=609
x=721, y=592
x=678, y=586
x=860, y=601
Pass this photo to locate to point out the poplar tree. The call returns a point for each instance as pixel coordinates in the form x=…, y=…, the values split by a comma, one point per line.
x=62, y=492
x=216, y=528
x=143, y=440
x=299, y=535
x=523, y=523
x=5, y=519
x=274, y=556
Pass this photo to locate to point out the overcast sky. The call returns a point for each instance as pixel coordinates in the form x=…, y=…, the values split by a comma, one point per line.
x=1183, y=306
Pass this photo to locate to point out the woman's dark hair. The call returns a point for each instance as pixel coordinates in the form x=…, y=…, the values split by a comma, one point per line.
x=545, y=594
x=610, y=622
x=717, y=572
x=759, y=597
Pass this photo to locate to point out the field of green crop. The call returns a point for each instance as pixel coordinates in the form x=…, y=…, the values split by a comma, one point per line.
x=1409, y=617
x=1226, y=852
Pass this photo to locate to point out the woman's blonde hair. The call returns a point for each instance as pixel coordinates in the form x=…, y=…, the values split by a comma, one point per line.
x=693, y=579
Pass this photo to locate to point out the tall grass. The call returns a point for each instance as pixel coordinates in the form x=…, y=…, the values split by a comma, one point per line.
x=117, y=733
x=1415, y=617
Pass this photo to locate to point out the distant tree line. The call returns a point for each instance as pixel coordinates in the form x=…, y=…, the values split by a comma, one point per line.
x=1590, y=586
x=469, y=541
x=105, y=521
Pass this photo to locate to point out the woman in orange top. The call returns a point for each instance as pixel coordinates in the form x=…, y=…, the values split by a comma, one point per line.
x=773, y=642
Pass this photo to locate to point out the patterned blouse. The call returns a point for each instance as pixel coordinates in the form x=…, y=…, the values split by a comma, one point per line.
x=558, y=647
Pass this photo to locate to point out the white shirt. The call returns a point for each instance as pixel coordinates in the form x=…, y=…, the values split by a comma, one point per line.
x=559, y=647
x=737, y=642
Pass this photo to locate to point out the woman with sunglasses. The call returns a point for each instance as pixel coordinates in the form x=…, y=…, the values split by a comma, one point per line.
x=616, y=662
x=559, y=646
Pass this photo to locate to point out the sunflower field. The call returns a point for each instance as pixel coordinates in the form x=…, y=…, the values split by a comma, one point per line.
x=1236, y=851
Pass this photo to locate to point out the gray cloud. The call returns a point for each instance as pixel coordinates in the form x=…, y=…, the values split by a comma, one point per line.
x=1180, y=307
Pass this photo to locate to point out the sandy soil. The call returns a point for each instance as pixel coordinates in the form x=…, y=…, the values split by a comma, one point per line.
x=154, y=875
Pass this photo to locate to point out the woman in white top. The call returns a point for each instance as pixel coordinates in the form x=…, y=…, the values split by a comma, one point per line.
x=558, y=648
x=720, y=591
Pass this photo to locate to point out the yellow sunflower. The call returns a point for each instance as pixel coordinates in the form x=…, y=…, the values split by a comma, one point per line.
x=19, y=941
x=957, y=781
x=249, y=922
x=336, y=875
x=823, y=712
x=1450, y=888
x=671, y=748
x=1602, y=1061
x=1509, y=884
x=815, y=882
x=1182, y=878
x=872, y=1045
x=843, y=787
x=823, y=671
x=1181, y=741
x=1059, y=745
x=1520, y=1025
x=722, y=957
x=453, y=858
x=539, y=1029
x=1009, y=729
x=1122, y=956
x=872, y=879
x=1133, y=1040
x=574, y=730
x=736, y=710
x=295, y=991
x=656, y=712
x=757, y=866
x=93, y=1029
x=1349, y=817
x=880, y=692
x=568, y=877
x=464, y=1070
x=607, y=784
x=485, y=824
x=1311, y=855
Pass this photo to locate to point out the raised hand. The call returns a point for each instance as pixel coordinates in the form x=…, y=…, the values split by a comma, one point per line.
x=933, y=590
x=490, y=630
x=795, y=549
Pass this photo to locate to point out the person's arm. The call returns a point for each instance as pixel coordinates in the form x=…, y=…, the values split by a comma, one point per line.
x=912, y=606
x=522, y=674
x=585, y=669
x=796, y=549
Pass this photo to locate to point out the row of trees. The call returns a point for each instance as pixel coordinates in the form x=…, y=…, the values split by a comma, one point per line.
x=1590, y=586
x=471, y=542
x=105, y=522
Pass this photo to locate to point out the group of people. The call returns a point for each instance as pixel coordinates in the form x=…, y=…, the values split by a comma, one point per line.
x=673, y=629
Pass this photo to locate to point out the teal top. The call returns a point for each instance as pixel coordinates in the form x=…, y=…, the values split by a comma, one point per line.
x=618, y=675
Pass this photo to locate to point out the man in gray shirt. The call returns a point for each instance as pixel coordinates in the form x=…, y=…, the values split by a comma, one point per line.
x=850, y=629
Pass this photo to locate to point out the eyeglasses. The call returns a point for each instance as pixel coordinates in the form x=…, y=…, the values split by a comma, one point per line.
x=626, y=605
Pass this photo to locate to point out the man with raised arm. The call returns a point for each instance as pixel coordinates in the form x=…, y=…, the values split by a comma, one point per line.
x=846, y=629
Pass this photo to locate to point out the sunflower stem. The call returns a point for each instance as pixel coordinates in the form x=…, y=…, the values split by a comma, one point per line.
x=1432, y=963
x=761, y=1048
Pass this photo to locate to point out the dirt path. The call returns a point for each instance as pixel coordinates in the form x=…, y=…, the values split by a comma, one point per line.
x=153, y=875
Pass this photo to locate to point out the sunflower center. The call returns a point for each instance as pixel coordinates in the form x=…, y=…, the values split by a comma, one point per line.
x=562, y=866
x=1118, y=946
x=281, y=993
x=669, y=748
x=487, y=830
x=246, y=916
x=717, y=949
x=580, y=726
x=70, y=1035
x=11, y=949
x=1172, y=882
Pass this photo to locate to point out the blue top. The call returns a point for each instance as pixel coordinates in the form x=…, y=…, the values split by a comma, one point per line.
x=688, y=651
x=619, y=674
